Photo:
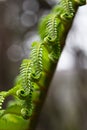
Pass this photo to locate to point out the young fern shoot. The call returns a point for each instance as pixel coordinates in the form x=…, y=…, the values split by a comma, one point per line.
x=36, y=72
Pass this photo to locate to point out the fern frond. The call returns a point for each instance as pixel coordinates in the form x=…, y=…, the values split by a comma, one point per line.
x=48, y=26
x=26, y=92
x=25, y=70
x=68, y=6
x=52, y=26
x=32, y=84
x=1, y=100
x=36, y=58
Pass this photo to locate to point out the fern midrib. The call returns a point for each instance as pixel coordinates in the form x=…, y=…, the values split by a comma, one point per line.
x=39, y=56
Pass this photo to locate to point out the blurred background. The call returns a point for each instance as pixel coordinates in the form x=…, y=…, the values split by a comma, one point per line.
x=66, y=103
x=18, y=29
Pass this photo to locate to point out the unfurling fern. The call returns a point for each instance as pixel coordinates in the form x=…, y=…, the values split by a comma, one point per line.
x=35, y=75
x=49, y=24
x=25, y=71
x=36, y=58
x=1, y=101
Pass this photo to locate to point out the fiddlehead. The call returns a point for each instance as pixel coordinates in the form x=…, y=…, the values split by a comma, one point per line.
x=25, y=93
x=50, y=24
x=25, y=70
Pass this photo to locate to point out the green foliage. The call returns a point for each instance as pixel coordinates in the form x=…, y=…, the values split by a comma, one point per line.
x=36, y=58
x=1, y=100
x=49, y=26
x=25, y=71
x=13, y=121
x=35, y=75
